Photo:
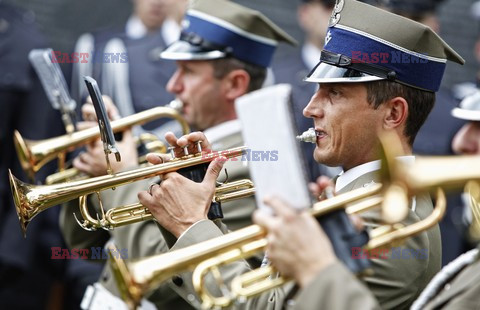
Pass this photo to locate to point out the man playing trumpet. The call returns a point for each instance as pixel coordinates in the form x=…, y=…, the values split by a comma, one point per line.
x=212, y=71
x=371, y=79
x=324, y=281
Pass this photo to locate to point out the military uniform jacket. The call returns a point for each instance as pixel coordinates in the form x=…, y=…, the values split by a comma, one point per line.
x=144, y=239
x=457, y=286
x=457, y=289
x=395, y=283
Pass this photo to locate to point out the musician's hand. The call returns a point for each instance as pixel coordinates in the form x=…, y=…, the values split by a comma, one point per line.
x=318, y=188
x=297, y=245
x=178, y=203
x=93, y=162
x=157, y=158
x=88, y=110
x=189, y=140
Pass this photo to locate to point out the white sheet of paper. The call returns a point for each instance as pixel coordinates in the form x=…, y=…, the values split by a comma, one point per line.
x=274, y=158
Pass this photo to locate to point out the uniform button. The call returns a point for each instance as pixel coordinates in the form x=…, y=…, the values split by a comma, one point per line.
x=177, y=280
x=447, y=286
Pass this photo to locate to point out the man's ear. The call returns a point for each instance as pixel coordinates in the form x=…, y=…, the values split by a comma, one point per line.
x=396, y=113
x=237, y=83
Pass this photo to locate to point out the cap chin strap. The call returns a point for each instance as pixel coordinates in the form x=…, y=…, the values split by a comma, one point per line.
x=343, y=61
x=196, y=40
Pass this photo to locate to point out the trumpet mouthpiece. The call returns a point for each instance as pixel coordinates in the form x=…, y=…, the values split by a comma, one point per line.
x=308, y=136
x=176, y=104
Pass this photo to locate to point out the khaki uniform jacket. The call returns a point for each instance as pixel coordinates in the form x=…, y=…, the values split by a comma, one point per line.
x=460, y=292
x=144, y=239
x=396, y=283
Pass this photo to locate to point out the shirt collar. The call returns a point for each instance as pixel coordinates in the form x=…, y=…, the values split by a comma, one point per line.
x=346, y=177
x=310, y=55
x=170, y=31
x=134, y=28
x=223, y=130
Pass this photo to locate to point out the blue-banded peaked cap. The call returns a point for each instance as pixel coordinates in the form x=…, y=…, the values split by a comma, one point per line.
x=214, y=29
x=365, y=43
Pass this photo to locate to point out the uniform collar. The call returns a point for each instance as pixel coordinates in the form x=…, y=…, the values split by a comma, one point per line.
x=170, y=31
x=346, y=177
x=135, y=29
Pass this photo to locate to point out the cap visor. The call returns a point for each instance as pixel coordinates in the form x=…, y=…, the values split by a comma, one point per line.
x=468, y=115
x=182, y=50
x=326, y=73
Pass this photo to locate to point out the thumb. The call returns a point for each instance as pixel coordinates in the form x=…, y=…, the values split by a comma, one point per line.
x=214, y=170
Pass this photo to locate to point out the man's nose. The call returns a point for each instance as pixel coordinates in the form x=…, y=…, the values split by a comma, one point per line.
x=314, y=107
x=174, y=85
x=467, y=140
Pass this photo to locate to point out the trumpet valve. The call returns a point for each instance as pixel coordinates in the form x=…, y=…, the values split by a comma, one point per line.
x=171, y=149
x=384, y=230
x=199, y=146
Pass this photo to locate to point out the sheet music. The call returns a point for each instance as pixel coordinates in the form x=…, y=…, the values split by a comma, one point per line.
x=52, y=79
x=274, y=157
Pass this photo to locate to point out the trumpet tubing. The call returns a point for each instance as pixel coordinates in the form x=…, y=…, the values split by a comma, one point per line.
x=136, y=212
x=447, y=172
x=258, y=281
x=31, y=199
x=401, y=182
x=151, y=142
x=34, y=154
x=138, y=278
x=473, y=196
x=141, y=277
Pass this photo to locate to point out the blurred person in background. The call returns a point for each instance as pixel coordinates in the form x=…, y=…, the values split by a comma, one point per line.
x=135, y=80
x=30, y=278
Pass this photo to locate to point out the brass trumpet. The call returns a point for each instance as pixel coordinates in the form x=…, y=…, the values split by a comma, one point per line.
x=150, y=141
x=136, y=212
x=34, y=154
x=143, y=276
x=473, y=197
x=137, y=278
x=31, y=199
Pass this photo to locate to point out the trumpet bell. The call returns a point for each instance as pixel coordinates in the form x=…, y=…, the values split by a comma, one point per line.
x=24, y=211
x=26, y=158
x=31, y=199
x=34, y=154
